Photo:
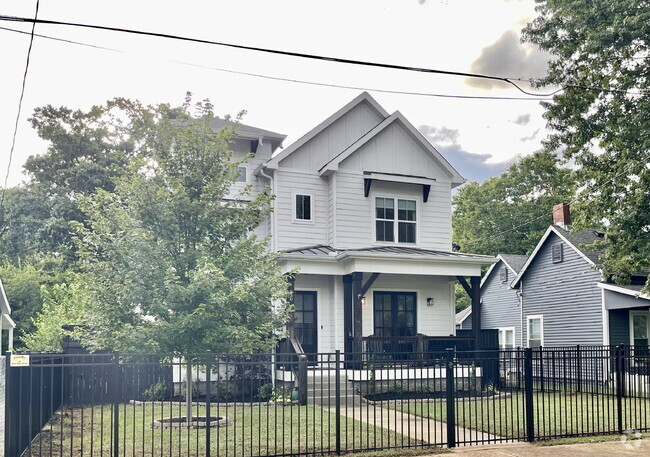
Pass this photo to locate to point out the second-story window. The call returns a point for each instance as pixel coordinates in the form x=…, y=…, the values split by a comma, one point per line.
x=303, y=207
x=243, y=174
x=385, y=226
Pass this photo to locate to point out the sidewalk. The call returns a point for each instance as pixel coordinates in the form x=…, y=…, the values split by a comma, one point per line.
x=610, y=449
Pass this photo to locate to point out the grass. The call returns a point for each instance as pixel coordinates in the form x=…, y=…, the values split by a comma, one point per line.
x=555, y=414
x=252, y=431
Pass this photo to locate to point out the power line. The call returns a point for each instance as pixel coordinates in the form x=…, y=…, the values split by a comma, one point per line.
x=281, y=52
x=20, y=105
x=301, y=81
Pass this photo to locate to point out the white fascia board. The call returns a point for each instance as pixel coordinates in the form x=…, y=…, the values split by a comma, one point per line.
x=6, y=322
x=316, y=266
x=623, y=290
x=4, y=303
x=274, y=162
x=514, y=282
x=489, y=272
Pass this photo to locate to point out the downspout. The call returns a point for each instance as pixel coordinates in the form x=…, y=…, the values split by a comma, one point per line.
x=273, y=231
x=521, y=314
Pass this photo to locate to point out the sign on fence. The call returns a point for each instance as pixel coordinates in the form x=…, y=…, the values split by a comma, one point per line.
x=19, y=360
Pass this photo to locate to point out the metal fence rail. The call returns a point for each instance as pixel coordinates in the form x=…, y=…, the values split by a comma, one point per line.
x=327, y=403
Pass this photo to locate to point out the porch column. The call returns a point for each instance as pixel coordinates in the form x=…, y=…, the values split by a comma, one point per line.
x=357, y=293
x=292, y=298
x=347, y=313
x=475, y=282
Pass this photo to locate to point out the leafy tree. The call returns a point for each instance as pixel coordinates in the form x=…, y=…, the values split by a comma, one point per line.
x=170, y=263
x=63, y=305
x=602, y=57
x=502, y=214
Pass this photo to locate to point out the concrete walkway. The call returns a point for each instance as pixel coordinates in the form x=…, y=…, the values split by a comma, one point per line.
x=414, y=427
x=610, y=449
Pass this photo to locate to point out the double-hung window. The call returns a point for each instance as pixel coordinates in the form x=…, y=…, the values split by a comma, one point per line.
x=535, y=331
x=391, y=225
x=507, y=338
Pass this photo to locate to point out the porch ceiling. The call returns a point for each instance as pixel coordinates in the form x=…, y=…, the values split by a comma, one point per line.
x=384, y=259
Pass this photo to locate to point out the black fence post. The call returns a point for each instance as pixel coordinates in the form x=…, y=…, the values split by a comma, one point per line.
x=116, y=405
x=618, y=353
x=579, y=367
x=528, y=385
x=9, y=414
x=451, y=410
x=302, y=379
x=337, y=394
x=208, y=399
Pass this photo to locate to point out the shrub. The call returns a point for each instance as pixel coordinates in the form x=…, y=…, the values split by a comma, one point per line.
x=155, y=392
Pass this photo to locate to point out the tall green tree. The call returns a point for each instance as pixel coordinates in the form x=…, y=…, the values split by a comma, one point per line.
x=170, y=263
x=601, y=121
x=510, y=212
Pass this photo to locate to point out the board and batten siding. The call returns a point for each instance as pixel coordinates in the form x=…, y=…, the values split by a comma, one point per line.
x=334, y=139
x=293, y=234
x=501, y=306
x=566, y=294
x=436, y=320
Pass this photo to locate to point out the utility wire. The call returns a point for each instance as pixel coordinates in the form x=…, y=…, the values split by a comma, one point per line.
x=20, y=105
x=299, y=81
x=282, y=52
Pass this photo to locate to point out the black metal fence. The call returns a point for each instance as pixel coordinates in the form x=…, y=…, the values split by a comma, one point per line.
x=285, y=405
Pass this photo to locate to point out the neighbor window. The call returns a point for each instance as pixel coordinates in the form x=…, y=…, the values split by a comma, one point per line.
x=243, y=174
x=385, y=226
x=507, y=338
x=503, y=274
x=535, y=331
x=640, y=325
x=303, y=207
x=556, y=253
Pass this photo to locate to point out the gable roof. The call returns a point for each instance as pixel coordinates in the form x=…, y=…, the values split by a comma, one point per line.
x=247, y=131
x=361, y=98
x=462, y=315
x=514, y=262
x=573, y=240
x=396, y=117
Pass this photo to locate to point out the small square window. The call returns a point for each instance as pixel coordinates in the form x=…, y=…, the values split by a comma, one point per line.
x=303, y=207
x=243, y=174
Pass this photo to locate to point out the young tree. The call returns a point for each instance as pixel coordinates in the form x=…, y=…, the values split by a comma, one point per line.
x=171, y=264
x=502, y=214
x=600, y=120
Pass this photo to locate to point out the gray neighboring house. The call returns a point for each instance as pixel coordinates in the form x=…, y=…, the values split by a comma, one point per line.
x=500, y=304
x=565, y=300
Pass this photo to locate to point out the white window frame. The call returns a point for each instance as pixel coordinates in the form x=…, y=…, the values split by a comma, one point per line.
x=395, y=199
x=503, y=331
x=248, y=174
x=638, y=313
x=294, y=219
x=541, y=328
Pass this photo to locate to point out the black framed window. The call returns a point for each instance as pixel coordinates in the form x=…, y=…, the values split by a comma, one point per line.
x=385, y=223
x=305, y=321
x=391, y=225
x=303, y=207
x=406, y=216
x=395, y=314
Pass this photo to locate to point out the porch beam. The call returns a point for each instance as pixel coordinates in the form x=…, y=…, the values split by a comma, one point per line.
x=463, y=282
x=371, y=280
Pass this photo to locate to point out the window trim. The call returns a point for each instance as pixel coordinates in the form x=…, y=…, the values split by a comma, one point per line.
x=631, y=323
x=294, y=219
x=541, y=328
x=514, y=336
x=395, y=198
x=248, y=174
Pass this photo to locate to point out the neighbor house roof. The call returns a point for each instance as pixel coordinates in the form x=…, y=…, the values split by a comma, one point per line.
x=246, y=131
x=462, y=315
x=364, y=97
x=578, y=241
x=514, y=262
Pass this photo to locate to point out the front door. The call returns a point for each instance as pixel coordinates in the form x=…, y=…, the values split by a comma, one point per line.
x=395, y=317
x=305, y=322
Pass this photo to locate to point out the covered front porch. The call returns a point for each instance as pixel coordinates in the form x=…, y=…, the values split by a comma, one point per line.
x=394, y=301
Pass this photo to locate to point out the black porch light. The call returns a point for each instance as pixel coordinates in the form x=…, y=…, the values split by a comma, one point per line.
x=429, y=301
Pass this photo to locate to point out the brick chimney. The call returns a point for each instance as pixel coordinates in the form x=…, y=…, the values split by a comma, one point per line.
x=562, y=216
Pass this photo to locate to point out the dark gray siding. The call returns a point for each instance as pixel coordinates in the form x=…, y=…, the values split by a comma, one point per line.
x=566, y=295
x=500, y=303
x=467, y=323
x=619, y=326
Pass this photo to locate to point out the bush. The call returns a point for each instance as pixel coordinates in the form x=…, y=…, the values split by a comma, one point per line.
x=155, y=392
x=265, y=392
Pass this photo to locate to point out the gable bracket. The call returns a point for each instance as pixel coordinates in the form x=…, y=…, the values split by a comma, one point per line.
x=426, y=188
x=373, y=277
x=466, y=286
x=367, y=182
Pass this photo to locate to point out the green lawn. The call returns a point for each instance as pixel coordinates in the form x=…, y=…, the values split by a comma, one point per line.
x=556, y=414
x=253, y=431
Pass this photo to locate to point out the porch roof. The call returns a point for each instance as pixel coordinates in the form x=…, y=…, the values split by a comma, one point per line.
x=322, y=259
x=624, y=297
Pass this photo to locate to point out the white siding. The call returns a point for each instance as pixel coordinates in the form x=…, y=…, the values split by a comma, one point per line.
x=295, y=234
x=334, y=139
x=326, y=315
x=436, y=320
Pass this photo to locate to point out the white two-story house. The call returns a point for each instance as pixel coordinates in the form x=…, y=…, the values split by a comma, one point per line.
x=363, y=209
